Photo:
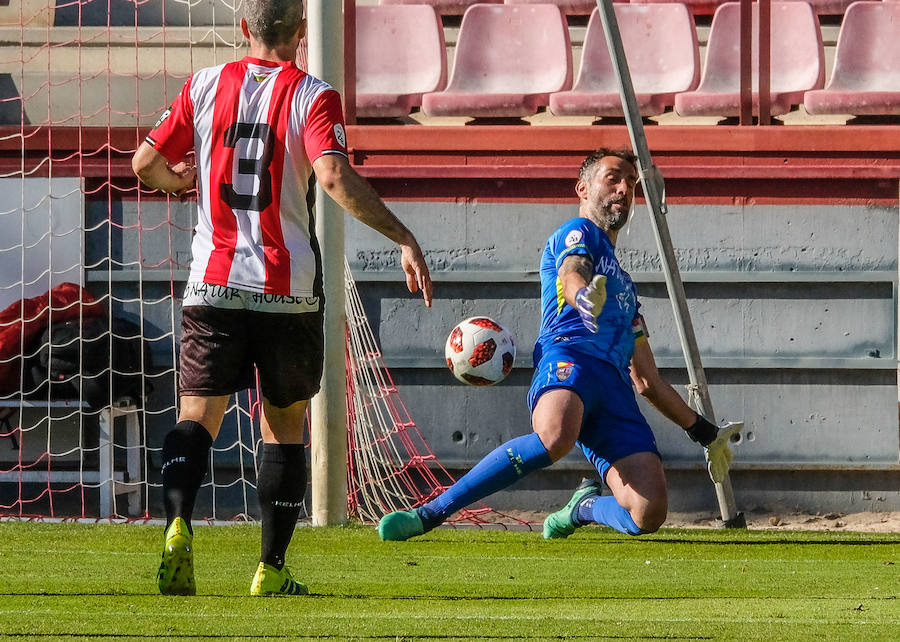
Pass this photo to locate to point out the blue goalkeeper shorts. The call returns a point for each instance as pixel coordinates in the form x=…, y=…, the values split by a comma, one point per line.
x=613, y=426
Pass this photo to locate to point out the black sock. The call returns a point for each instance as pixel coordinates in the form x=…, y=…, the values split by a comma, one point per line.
x=281, y=486
x=185, y=460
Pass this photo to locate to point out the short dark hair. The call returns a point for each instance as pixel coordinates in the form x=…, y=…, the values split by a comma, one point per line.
x=273, y=22
x=587, y=166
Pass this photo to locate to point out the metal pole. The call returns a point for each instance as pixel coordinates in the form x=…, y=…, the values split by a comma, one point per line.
x=654, y=191
x=328, y=409
x=746, y=61
x=764, y=55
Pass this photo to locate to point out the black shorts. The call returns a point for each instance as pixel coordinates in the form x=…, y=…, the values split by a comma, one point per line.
x=219, y=349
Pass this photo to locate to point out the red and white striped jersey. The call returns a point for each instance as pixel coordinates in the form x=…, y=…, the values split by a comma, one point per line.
x=256, y=127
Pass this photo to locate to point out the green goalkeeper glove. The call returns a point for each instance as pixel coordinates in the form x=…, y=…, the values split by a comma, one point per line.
x=718, y=454
x=715, y=445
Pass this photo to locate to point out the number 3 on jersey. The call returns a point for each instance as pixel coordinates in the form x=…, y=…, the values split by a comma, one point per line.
x=259, y=138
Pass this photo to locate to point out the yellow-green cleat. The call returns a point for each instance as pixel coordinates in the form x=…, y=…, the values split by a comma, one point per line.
x=176, y=571
x=400, y=525
x=562, y=523
x=272, y=581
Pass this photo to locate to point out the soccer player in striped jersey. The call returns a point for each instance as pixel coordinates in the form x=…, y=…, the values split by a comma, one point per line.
x=590, y=356
x=262, y=132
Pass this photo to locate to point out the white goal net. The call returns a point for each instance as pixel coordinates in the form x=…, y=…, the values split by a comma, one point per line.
x=92, y=267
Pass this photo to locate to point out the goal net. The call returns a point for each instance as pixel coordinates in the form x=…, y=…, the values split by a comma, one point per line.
x=92, y=268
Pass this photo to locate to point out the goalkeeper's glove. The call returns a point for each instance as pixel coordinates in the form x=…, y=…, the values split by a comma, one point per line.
x=715, y=443
x=589, y=302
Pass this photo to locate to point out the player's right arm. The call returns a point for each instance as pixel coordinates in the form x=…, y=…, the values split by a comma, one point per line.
x=154, y=170
x=159, y=161
x=582, y=289
x=354, y=193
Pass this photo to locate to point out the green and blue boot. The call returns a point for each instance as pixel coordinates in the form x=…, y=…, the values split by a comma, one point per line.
x=400, y=525
x=563, y=522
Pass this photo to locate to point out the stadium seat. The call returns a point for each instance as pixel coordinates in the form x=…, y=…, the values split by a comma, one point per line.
x=696, y=7
x=569, y=7
x=400, y=56
x=797, y=61
x=866, y=77
x=509, y=59
x=660, y=43
x=830, y=7
x=445, y=7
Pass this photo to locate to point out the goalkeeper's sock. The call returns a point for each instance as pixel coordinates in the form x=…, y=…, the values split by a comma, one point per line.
x=607, y=511
x=503, y=466
x=185, y=454
x=281, y=486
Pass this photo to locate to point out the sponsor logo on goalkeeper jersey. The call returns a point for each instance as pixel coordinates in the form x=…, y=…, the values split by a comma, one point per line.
x=574, y=237
x=564, y=369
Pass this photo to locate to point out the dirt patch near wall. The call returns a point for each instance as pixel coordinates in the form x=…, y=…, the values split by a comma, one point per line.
x=867, y=522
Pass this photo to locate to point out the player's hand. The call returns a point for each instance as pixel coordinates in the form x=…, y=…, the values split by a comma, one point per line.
x=417, y=275
x=186, y=174
x=589, y=301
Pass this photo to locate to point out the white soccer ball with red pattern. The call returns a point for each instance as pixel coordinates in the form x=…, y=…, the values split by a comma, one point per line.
x=480, y=351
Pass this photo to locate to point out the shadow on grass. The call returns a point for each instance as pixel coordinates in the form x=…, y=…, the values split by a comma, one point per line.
x=293, y=636
x=772, y=542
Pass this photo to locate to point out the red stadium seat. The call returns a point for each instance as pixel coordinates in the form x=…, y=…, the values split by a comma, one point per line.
x=830, y=7
x=866, y=77
x=660, y=43
x=696, y=7
x=400, y=56
x=445, y=7
x=797, y=61
x=708, y=7
x=569, y=7
x=509, y=59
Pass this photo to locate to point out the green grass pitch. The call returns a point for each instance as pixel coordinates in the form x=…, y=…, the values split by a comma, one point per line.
x=96, y=582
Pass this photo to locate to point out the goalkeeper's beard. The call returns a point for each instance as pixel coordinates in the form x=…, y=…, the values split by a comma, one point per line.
x=610, y=217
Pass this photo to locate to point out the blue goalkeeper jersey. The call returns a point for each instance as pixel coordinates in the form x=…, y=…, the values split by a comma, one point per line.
x=619, y=322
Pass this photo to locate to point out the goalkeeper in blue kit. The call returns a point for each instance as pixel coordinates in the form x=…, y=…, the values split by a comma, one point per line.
x=591, y=355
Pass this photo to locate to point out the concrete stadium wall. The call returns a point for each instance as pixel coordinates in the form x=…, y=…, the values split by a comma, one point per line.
x=795, y=311
x=794, y=307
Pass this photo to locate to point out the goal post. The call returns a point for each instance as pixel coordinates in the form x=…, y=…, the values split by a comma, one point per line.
x=328, y=409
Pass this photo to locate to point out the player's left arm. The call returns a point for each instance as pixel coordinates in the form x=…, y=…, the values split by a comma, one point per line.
x=356, y=195
x=154, y=170
x=662, y=396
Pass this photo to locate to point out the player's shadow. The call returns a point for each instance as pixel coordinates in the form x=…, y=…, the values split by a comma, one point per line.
x=770, y=542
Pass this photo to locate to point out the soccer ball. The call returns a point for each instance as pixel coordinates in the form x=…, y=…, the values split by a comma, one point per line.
x=480, y=351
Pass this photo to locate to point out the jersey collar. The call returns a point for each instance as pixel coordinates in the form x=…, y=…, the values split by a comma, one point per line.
x=267, y=63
